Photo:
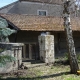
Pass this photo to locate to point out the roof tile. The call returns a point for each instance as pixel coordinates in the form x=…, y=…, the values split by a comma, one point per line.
x=40, y=23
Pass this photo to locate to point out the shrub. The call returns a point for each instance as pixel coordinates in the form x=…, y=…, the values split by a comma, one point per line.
x=78, y=58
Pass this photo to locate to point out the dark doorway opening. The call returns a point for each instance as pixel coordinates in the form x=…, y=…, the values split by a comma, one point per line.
x=31, y=51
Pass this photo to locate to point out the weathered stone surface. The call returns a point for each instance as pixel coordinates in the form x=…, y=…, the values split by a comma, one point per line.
x=15, y=50
x=46, y=45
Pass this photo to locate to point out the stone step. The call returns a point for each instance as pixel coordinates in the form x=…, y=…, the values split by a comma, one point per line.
x=27, y=63
x=33, y=63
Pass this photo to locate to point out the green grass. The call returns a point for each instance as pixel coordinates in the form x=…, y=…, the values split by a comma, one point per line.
x=72, y=78
x=54, y=72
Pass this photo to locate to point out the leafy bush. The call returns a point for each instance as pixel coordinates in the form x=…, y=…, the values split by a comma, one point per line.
x=66, y=56
x=78, y=58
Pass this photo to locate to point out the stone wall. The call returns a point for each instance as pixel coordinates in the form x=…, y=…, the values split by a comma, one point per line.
x=14, y=50
x=46, y=44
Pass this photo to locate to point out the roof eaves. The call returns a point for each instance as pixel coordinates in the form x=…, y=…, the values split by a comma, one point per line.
x=38, y=1
x=15, y=27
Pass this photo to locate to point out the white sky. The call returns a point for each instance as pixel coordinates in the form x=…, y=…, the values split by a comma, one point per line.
x=6, y=2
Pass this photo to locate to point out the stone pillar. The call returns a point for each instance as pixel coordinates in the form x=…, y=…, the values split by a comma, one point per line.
x=17, y=48
x=19, y=56
x=46, y=47
x=15, y=65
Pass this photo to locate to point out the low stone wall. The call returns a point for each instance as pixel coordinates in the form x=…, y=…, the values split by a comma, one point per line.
x=14, y=50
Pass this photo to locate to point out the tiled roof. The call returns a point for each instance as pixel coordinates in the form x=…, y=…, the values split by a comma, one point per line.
x=39, y=23
x=45, y=1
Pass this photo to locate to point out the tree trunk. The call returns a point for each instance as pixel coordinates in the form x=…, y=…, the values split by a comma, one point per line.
x=70, y=42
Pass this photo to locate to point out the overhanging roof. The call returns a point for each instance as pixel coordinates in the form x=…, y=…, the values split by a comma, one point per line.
x=40, y=23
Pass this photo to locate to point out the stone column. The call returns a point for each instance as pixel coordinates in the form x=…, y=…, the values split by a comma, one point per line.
x=17, y=48
x=46, y=47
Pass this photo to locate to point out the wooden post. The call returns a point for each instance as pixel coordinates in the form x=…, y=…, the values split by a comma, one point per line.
x=70, y=42
x=24, y=51
x=30, y=51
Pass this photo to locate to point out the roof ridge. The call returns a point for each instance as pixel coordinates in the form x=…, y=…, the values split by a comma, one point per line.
x=45, y=1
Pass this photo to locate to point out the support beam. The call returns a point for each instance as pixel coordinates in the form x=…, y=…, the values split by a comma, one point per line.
x=30, y=51
x=24, y=51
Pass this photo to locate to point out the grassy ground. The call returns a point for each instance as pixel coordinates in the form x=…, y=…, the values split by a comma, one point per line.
x=56, y=71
